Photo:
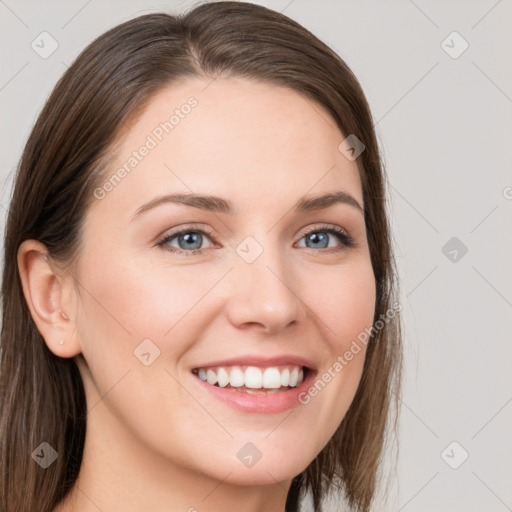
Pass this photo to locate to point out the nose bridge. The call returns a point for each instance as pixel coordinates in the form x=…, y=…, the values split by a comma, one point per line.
x=262, y=290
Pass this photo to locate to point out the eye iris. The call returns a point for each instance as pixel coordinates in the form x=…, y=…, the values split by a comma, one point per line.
x=191, y=239
x=317, y=237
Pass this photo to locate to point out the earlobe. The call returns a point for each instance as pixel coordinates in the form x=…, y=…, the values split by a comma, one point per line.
x=47, y=294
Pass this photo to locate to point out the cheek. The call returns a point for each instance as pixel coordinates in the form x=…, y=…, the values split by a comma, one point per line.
x=345, y=302
x=134, y=302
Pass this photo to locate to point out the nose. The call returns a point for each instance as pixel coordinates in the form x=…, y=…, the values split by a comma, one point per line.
x=262, y=294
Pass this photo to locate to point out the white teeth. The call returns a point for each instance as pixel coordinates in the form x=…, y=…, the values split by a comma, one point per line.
x=285, y=377
x=236, y=378
x=253, y=377
x=294, y=375
x=223, y=377
x=271, y=378
x=211, y=377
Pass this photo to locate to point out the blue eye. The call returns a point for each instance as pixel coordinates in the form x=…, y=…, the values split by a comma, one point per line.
x=190, y=241
x=318, y=237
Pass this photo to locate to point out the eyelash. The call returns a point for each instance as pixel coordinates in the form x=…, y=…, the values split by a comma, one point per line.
x=346, y=240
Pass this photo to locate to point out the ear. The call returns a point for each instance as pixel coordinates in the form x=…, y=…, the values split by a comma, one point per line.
x=50, y=297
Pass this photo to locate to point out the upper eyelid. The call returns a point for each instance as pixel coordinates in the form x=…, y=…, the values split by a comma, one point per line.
x=320, y=226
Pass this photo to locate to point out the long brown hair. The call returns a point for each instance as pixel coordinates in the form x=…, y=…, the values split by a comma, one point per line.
x=41, y=395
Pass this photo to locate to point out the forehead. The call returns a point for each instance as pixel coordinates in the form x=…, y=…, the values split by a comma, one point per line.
x=232, y=137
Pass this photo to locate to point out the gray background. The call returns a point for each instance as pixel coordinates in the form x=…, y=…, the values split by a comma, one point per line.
x=445, y=127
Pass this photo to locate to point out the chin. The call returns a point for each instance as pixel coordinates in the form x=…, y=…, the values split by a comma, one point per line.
x=260, y=474
x=279, y=466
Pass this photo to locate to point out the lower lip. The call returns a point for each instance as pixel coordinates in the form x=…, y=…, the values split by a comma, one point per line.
x=270, y=403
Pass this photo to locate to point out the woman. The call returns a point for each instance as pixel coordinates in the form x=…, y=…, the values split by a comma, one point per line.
x=198, y=285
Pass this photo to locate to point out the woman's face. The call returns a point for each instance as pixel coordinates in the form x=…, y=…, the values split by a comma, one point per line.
x=264, y=286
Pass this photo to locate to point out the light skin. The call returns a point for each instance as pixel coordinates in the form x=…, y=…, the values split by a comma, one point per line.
x=155, y=439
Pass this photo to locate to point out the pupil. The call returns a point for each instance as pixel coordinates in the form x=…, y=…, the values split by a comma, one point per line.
x=316, y=238
x=191, y=238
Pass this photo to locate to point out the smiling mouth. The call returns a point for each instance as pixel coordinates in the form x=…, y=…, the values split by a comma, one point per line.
x=253, y=379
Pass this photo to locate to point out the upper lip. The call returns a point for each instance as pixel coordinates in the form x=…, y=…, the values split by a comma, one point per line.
x=261, y=361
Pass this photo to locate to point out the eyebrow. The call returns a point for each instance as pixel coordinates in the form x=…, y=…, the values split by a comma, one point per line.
x=220, y=205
